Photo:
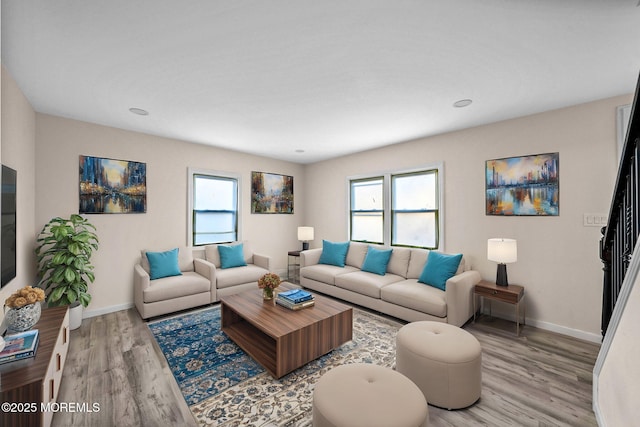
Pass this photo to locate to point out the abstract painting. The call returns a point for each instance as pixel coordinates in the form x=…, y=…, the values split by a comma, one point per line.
x=523, y=186
x=112, y=186
x=271, y=193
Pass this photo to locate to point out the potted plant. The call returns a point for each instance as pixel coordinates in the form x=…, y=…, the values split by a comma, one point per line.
x=63, y=249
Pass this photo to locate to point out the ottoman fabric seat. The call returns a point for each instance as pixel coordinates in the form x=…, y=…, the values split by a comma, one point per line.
x=444, y=361
x=369, y=396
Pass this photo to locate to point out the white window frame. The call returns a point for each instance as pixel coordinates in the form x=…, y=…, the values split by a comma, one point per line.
x=375, y=178
x=190, y=175
x=386, y=185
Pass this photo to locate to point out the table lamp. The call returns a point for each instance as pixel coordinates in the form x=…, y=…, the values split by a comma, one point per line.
x=502, y=251
x=305, y=234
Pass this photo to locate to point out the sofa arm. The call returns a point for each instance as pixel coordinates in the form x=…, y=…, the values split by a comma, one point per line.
x=263, y=261
x=141, y=281
x=310, y=257
x=459, y=295
x=208, y=270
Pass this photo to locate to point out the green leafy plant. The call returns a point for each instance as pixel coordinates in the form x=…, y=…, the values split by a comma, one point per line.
x=63, y=249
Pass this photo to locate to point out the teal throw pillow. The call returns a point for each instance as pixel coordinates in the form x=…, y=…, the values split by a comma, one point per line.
x=439, y=268
x=334, y=253
x=163, y=264
x=376, y=260
x=231, y=256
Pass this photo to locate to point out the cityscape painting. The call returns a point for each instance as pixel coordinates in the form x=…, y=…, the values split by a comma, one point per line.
x=526, y=185
x=271, y=193
x=112, y=186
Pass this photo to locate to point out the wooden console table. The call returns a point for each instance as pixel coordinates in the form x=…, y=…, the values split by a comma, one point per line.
x=25, y=384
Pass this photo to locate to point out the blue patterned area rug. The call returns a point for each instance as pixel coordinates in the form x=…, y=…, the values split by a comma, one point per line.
x=225, y=387
x=203, y=360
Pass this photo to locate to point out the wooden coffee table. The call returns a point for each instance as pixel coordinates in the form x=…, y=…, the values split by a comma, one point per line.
x=282, y=340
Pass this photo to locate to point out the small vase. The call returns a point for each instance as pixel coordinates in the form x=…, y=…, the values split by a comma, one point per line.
x=267, y=294
x=23, y=318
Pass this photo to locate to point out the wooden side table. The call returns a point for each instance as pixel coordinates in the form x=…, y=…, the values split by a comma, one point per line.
x=293, y=266
x=512, y=294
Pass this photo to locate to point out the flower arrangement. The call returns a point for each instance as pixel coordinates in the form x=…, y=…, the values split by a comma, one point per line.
x=268, y=283
x=24, y=296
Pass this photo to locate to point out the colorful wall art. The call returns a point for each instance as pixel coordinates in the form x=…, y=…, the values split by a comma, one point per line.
x=526, y=185
x=271, y=193
x=112, y=186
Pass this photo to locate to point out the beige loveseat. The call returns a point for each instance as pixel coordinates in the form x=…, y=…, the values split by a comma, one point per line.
x=202, y=280
x=396, y=293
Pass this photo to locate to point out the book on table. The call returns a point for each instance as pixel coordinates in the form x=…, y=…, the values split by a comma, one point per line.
x=296, y=296
x=294, y=306
x=19, y=346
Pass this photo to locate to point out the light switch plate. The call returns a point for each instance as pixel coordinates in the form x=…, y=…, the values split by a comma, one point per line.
x=594, y=220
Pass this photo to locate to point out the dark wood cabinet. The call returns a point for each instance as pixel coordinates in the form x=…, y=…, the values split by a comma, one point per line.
x=28, y=385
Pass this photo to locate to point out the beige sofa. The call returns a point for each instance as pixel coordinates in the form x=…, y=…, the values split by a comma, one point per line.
x=202, y=281
x=396, y=293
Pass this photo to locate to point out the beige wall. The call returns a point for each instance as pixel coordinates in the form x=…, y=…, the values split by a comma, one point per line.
x=60, y=141
x=18, y=152
x=557, y=256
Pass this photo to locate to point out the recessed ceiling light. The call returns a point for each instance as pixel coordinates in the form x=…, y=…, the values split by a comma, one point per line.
x=462, y=103
x=299, y=151
x=139, y=111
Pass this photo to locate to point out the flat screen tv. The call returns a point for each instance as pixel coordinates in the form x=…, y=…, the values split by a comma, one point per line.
x=8, y=230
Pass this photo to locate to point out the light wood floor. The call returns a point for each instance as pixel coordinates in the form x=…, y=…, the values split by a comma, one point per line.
x=537, y=379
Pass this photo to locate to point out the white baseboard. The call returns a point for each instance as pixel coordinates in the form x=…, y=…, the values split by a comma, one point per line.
x=106, y=310
x=552, y=327
x=575, y=333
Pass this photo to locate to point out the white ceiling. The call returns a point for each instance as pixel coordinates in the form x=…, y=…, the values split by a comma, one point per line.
x=327, y=77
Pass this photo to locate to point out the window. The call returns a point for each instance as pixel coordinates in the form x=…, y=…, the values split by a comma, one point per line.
x=398, y=208
x=367, y=210
x=414, y=210
x=213, y=208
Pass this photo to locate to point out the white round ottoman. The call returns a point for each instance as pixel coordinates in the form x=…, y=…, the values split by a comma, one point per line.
x=368, y=396
x=443, y=360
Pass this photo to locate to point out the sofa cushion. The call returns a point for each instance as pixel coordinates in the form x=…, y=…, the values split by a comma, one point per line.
x=419, y=259
x=365, y=283
x=237, y=276
x=163, y=264
x=399, y=261
x=416, y=296
x=167, y=288
x=231, y=256
x=416, y=263
x=439, y=268
x=325, y=273
x=334, y=253
x=356, y=254
x=376, y=260
x=212, y=254
x=185, y=260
